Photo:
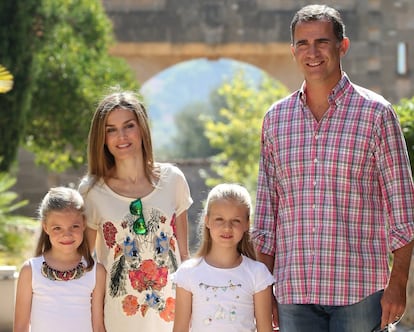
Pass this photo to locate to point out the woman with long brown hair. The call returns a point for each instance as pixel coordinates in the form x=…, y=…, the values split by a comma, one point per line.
x=137, y=216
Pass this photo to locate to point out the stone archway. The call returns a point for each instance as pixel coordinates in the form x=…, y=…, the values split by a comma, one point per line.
x=148, y=59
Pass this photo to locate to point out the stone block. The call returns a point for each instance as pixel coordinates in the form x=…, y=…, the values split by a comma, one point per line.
x=8, y=277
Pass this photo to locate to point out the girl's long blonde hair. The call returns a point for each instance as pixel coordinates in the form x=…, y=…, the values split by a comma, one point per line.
x=232, y=192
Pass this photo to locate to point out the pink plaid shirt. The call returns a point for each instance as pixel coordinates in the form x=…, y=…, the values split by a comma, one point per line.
x=333, y=196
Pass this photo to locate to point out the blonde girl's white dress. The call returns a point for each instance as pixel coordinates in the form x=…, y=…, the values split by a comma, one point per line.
x=63, y=306
x=139, y=293
x=223, y=298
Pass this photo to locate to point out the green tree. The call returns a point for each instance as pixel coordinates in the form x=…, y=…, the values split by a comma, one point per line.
x=191, y=140
x=405, y=111
x=16, y=53
x=69, y=70
x=237, y=134
x=15, y=231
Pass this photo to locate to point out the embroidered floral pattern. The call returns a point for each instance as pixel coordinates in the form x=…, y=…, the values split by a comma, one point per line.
x=109, y=231
x=117, y=251
x=130, y=305
x=144, y=309
x=168, y=313
x=147, y=276
x=161, y=243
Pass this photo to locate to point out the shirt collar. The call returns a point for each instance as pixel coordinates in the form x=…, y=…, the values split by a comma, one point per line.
x=336, y=94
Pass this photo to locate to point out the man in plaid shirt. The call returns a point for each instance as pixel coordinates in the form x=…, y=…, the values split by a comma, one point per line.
x=335, y=193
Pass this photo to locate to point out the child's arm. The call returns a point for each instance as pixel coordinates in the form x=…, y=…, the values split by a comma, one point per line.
x=183, y=309
x=263, y=310
x=23, y=305
x=98, y=297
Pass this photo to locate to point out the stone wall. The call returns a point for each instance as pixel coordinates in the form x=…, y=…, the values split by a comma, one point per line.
x=153, y=35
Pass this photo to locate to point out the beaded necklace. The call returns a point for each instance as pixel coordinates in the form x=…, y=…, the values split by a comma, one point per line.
x=57, y=275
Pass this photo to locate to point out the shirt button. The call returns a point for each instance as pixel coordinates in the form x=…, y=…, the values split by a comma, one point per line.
x=315, y=160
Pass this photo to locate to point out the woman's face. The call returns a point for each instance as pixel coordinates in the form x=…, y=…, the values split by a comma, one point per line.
x=122, y=134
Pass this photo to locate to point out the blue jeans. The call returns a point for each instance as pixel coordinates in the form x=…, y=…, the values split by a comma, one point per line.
x=363, y=316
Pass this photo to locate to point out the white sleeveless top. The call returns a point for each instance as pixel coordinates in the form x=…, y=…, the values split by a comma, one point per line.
x=63, y=306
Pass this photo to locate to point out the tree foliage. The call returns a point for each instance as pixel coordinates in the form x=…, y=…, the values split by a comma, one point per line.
x=237, y=133
x=190, y=141
x=69, y=70
x=405, y=111
x=17, y=40
x=15, y=230
x=76, y=71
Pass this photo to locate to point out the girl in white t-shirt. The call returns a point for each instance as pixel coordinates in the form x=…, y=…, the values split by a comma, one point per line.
x=224, y=288
x=61, y=288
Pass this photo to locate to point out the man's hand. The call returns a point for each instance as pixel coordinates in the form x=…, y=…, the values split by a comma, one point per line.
x=393, y=303
x=393, y=300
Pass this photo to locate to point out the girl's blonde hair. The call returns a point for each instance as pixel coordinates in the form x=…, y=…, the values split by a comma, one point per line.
x=232, y=192
x=100, y=160
x=62, y=199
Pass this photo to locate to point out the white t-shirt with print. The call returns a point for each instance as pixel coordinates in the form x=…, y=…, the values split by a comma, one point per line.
x=139, y=293
x=223, y=298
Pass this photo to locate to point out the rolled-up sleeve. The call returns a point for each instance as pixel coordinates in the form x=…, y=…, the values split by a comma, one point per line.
x=398, y=189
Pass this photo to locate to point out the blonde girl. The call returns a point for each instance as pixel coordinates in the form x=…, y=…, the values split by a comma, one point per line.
x=224, y=288
x=61, y=288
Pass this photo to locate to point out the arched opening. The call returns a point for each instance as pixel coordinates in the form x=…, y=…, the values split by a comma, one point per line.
x=178, y=96
x=148, y=59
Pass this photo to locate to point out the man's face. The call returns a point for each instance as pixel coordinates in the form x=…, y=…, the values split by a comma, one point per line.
x=318, y=52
